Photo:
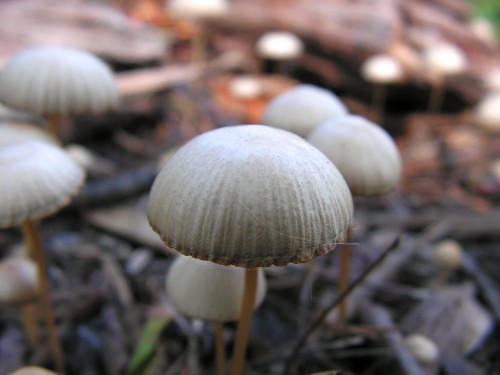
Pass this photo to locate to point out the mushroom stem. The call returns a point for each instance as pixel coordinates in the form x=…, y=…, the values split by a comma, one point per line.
x=245, y=318
x=378, y=101
x=436, y=99
x=53, y=124
x=220, y=354
x=344, y=265
x=32, y=236
x=28, y=316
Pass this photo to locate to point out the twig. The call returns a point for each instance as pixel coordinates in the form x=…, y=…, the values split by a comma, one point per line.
x=319, y=320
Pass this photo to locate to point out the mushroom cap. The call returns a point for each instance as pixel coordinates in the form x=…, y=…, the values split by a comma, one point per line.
x=209, y=291
x=201, y=9
x=58, y=80
x=448, y=254
x=18, y=281
x=381, y=68
x=423, y=349
x=14, y=132
x=483, y=29
x=491, y=80
x=487, y=114
x=36, y=179
x=444, y=59
x=364, y=153
x=279, y=45
x=32, y=370
x=301, y=109
x=250, y=196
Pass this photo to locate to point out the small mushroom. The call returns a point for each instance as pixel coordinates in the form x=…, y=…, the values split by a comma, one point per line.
x=448, y=255
x=250, y=196
x=276, y=46
x=381, y=70
x=487, y=115
x=302, y=108
x=18, y=281
x=36, y=180
x=57, y=81
x=208, y=291
x=491, y=80
x=424, y=350
x=441, y=60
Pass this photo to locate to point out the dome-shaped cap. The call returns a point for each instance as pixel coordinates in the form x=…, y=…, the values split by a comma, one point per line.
x=201, y=9
x=58, y=80
x=14, y=132
x=18, y=281
x=250, y=196
x=444, y=59
x=33, y=370
x=364, y=153
x=448, y=254
x=36, y=179
x=279, y=45
x=209, y=291
x=487, y=114
x=302, y=108
x=423, y=349
x=381, y=69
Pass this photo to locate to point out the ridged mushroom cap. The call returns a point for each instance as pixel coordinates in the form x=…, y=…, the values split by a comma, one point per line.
x=209, y=291
x=279, y=45
x=58, y=80
x=32, y=370
x=381, y=68
x=14, y=132
x=250, y=196
x=444, y=59
x=364, y=153
x=201, y=9
x=18, y=281
x=301, y=109
x=36, y=179
x=487, y=114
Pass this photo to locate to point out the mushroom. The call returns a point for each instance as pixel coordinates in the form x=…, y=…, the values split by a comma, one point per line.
x=491, y=80
x=57, y=81
x=424, y=350
x=36, y=180
x=487, y=115
x=32, y=370
x=448, y=255
x=19, y=288
x=208, y=291
x=200, y=11
x=381, y=70
x=441, y=60
x=483, y=29
x=250, y=196
x=276, y=46
x=368, y=159
x=302, y=108
x=13, y=132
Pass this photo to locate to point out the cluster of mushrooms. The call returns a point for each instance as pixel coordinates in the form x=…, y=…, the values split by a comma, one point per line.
x=231, y=201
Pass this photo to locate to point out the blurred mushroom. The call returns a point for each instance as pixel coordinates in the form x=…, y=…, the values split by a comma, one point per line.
x=33, y=370
x=13, y=132
x=56, y=82
x=278, y=46
x=36, y=180
x=448, y=255
x=368, y=159
x=208, y=291
x=424, y=350
x=250, y=196
x=487, y=114
x=491, y=80
x=381, y=70
x=441, y=60
x=302, y=108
